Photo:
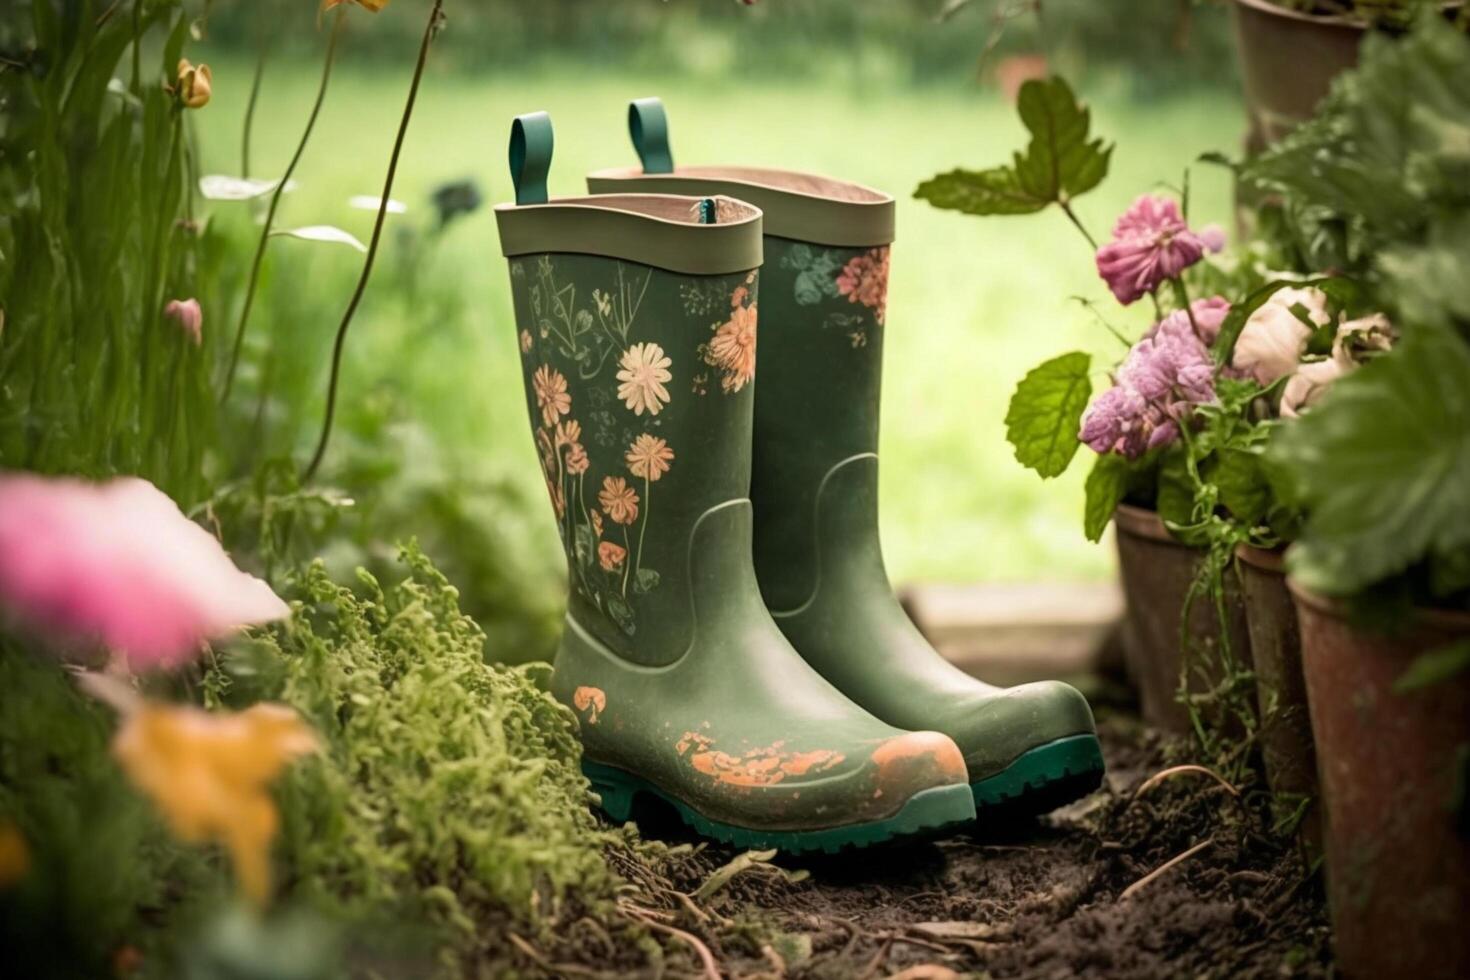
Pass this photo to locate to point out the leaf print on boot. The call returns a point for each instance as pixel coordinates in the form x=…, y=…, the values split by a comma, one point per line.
x=664, y=615
x=814, y=487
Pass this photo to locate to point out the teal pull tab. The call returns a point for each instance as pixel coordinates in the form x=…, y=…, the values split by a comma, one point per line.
x=530, y=156
x=648, y=124
x=707, y=214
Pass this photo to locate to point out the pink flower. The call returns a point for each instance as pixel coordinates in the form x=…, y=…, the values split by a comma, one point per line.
x=118, y=563
x=865, y=280
x=1151, y=243
x=1164, y=374
x=188, y=316
x=1213, y=238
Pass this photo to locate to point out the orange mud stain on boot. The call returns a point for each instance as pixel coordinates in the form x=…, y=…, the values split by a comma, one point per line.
x=898, y=759
x=591, y=700
x=765, y=766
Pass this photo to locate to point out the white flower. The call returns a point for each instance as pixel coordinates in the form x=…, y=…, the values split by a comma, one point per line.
x=1307, y=386
x=1273, y=339
x=645, y=371
x=1356, y=338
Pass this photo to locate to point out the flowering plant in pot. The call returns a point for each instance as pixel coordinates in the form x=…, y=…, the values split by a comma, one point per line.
x=1375, y=186
x=1137, y=428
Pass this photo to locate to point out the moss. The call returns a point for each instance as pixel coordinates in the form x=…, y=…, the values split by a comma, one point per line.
x=447, y=784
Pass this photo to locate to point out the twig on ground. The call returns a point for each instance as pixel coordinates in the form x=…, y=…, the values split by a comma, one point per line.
x=1172, y=771
x=556, y=969
x=1143, y=882
x=707, y=958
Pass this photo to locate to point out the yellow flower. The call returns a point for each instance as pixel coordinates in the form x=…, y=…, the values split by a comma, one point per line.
x=209, y=772
x=371, y=6
x=645, y=371
x=649, y=457
x=194, y=85
x=15, y=855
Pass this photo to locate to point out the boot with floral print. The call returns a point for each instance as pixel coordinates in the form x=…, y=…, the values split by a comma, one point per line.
x=815, y=481
x=636, y=320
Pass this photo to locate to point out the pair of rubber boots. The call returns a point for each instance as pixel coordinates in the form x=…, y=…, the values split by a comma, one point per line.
x=733, y=645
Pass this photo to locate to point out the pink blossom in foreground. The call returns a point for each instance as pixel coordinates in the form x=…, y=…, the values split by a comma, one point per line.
x=1164, y=373
x=1151, y=243
x=188, y=316
x=118, y=563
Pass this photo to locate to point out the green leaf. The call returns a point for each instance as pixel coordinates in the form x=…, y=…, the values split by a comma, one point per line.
x=1106, y=485
x=1434, y=667
x=1046, y=411
x=1060, y=163
x=1383, y=466
x=1175, y=499
x=646, y=580
x=994, y=191
x=1236, y=473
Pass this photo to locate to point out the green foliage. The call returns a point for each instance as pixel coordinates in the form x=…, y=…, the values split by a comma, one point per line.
x=103, y=872
x=1435, y=667
x=1060, y=163
x=97, y=236
x=1046, y=410
x=1383, y=466
x=447, y=785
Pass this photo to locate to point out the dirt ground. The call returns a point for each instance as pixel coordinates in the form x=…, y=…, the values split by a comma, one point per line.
x=1079, y=893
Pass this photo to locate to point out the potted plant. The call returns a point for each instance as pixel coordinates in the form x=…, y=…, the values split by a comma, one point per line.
x=1380, y=574
x=1187, y=648
x=1291, y=50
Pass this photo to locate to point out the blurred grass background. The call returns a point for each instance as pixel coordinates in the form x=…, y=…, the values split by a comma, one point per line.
x=432, y=382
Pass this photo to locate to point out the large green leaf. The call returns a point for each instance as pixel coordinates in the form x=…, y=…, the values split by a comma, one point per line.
x=1046, y=411
x=1059, y=163
x=1383, y=466
x=1434, y=667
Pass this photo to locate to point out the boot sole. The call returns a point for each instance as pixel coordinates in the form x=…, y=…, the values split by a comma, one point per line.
x=924, y=815
x=1043, y=778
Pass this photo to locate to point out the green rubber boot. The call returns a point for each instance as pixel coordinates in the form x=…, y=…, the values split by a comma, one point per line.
x=636, y=319
x=815, y=481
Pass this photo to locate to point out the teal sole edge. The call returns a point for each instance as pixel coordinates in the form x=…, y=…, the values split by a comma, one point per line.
x=1043, y=778
x=924, y=815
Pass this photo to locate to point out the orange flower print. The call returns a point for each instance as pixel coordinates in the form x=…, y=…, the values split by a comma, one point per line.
x=548, y=453
x=568, y=433
x=865, y=280
x=732, y=349
x=577, y=461
x=618, y=500
x=611, y=555
x=525, y=341
x=551, y=393
x=649, y=457
x=645, y=371
x=595, y=516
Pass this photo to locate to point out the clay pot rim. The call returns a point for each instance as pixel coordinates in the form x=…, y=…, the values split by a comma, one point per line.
x=1266, y=559
x=1448, y=620
x=1332, y=21
x=1142, y=522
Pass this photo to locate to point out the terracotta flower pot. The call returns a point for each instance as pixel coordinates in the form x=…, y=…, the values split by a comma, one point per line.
x=1281, y=688
x=1288, y=60
x=1398, y=868
x=1157, y=573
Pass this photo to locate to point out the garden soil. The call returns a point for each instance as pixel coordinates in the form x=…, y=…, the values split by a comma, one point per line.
x=1078, y=893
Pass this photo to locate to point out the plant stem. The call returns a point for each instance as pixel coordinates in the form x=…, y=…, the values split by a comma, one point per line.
x=647, y=506
x=367, y=266
x=250, y=109
x=270, y=214
x=1072, y=215
x=137, y=47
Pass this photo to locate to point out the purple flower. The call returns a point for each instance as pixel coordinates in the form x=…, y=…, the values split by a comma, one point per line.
x=1164, y=374
x=1151, y=243
x=188, y=317
x=1213, y=237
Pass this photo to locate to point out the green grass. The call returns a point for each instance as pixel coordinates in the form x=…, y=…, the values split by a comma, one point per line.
x=974, y=302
